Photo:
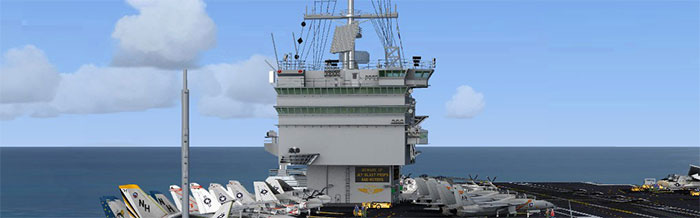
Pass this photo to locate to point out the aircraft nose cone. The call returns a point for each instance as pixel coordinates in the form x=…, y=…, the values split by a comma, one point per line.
x=548, y=205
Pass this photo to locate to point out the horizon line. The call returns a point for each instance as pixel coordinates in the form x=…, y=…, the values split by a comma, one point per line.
x=419, y=146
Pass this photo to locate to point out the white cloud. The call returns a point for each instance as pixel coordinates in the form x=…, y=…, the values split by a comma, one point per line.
x=166, y=34
x=27, y=76
x=235, y=90
x=466, y=103
x=30, y=85
x=228, y=90
x=94, y=89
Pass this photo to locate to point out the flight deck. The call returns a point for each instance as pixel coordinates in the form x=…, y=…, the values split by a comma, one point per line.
x=599, y=200
x=586, y=200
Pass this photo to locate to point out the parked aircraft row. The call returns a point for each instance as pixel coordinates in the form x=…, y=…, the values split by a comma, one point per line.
x=272, y=198
x=468, y=199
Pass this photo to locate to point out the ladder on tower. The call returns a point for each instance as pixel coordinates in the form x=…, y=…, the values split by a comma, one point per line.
x=347, y=184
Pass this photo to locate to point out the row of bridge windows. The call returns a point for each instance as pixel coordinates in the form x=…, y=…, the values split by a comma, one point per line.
x=342, y=110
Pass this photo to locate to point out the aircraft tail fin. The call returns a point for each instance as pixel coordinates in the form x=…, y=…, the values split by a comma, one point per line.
x=422, y=187
x=445, y=191
x=694, y=172
x=224, y=210
x=114, y=208
x=164, y=202
x=432, y=187
x=220, y=193
x=276, y=186
x=139, y=203
x=239, y=192
x=461, y=197
x=285, y=186
x=206, y=202
x=263, y=192
x=176, y=192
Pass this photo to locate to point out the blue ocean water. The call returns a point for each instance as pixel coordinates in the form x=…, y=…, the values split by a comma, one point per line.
x=67, y=182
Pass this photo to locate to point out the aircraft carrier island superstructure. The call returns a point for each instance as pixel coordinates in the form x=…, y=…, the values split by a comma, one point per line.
x=350, y=121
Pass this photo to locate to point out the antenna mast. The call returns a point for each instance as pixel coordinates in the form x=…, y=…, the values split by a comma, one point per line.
x=185, y=146
x=349, y=53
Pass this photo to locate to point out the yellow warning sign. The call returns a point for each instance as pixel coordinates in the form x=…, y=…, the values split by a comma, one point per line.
x=372, y=174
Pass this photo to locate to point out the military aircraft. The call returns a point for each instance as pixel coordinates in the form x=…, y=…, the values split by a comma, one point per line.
x=176, y=193
x=135, y=203
x=511, y=206
x=139, y=204
x=114, y=208
x=677, y=182
x=462, y=204
x=164, y=202
x=471, y=199
x=235, y=189
x=204, y=199
x=286, y=194
x=220, y=193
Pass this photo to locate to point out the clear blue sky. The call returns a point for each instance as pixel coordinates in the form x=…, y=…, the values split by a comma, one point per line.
x=554, y=73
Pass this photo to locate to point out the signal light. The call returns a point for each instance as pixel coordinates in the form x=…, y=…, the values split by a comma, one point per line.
x=301, y=71
x=279, y=71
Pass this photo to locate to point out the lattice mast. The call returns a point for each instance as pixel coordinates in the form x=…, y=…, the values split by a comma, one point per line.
x=344, y=36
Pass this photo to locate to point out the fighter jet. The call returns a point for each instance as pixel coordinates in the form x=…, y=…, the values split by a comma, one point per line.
x=204, y=199
x=114, y=208
x=268, y=205
x=677, y=182
x=220, y=193
x=461, y=204
x=286, y=194
x=139, y=204
x=176, y=193
x=164, y=202
x=239, y=193
x=428, y=192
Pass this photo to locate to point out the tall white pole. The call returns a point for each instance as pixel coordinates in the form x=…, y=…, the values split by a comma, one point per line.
x=351, y=53
x=185, y=146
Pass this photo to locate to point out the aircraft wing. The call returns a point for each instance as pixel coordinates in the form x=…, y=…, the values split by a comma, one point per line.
x=495, y=205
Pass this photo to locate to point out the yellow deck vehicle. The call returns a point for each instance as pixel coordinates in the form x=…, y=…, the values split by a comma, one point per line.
x=376, y=205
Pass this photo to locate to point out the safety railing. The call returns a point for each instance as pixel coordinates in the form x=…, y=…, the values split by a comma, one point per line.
x=378, y=64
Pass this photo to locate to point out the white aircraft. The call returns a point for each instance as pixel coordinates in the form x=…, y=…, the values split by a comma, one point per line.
x=205, y=200
x=469, y=208
x=164, y=202
x=176, y=192
x=140, y=204
x=458, y=202
x=286, y=194
x=137, y=204
x=235, y=189
x=220, y=193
